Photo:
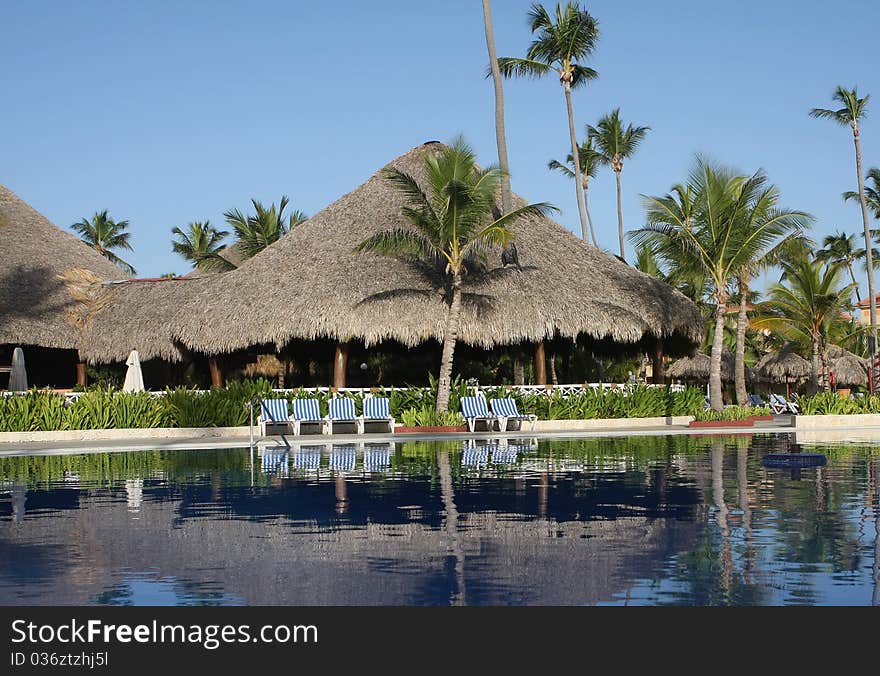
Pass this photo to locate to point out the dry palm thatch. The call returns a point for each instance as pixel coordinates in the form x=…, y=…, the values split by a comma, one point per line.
x=696, y=368
x=134, y=315
x=42, y=266
x=783, y=366
x=848, y=368
x=311, y=284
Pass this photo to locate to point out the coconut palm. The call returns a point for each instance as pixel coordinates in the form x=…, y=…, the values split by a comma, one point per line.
x=616, y=142
x=202, y=245
x=842, y=248
x=590, y=161
x=453, y=225
x=713, y=225
x=104, y=234
x=500, y=135
x=562, y=43
x=268, y=225
x=805, y=307
x=852, y=110
x=872, y=193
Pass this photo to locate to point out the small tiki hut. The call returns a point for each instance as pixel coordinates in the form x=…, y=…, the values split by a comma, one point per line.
x=695, y=369
x=848, y=369
x=311, y=288
x=782, y=366
x=43, y=271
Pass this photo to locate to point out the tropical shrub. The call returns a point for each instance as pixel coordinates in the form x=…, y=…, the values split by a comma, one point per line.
x=427, y=416
x=731, y=413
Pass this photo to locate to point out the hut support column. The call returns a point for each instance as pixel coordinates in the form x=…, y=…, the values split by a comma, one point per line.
x=657, y=368
x=540, y=364
x=82, y=378
x=216, y=372
x=340, y=363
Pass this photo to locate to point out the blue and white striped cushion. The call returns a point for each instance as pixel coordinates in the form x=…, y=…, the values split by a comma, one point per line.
x=504, y=456
x=475, y=457
x=341, y=408
x=306, y=409
x=275, y=410
x=506, y=408
x=307, y=457
x=274, y=461
x=474, y=407
x=343, y=457
x=376, y=408
x=377, y=458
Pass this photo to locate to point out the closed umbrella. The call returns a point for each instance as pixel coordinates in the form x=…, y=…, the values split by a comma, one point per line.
x=18, y=374
x=134, y=377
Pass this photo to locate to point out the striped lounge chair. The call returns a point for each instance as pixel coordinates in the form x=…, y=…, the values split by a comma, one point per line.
x=506, y=411
x=343, y=457
x=377, y=457
x=474, y=410
x=308, y=412
x=377, y=410
x=273, y=412
x=341, y=410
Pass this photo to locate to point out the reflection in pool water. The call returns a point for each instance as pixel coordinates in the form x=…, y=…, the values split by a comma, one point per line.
x=639, y=520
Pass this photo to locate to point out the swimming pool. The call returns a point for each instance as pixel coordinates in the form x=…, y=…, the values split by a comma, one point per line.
x=626, y=520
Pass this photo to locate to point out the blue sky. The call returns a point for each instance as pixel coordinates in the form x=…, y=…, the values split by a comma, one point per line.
x=169, y=112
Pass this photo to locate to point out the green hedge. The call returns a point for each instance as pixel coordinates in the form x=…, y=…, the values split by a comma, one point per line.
x=112, y=409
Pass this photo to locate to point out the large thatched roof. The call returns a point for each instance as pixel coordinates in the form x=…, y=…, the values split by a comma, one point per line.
x=696, y=368
x=40, y=263
x=310, y=284
x=848, y=368
x=782, y=366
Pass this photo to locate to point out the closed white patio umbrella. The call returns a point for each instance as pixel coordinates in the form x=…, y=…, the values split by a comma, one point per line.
x=18, y=373
x=134, y=377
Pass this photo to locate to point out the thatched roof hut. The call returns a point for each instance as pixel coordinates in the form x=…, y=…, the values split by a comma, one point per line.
x=42, y=268
x=848, y=368
x=311, y=284
x=696, y=367
x=783, y=366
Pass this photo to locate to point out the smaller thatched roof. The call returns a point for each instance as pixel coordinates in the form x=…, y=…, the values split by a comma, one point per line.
x=696, y=367
x=848, y=368
x=782, y=366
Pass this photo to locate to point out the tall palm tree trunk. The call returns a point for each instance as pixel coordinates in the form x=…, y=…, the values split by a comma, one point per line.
x=619, y=215
x=500, y=135
x=716, y=399
x=869, y=258
x=742, y=321
x=450, y=337
x=587, y=209
x=852, y=276
x=814, y=374
x=582, y=209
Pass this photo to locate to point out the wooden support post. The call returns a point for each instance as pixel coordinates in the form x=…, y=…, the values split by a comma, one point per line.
x=540, y=364
x=216, y=372
x=658, y=369
x=82, y=378
x=340, y=363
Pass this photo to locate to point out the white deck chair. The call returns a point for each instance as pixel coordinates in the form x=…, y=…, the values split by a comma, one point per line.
x=273, y=412
x=474, y=409
x=308, y=412
x=341, y=410
x=377, y=410
x=506, y=411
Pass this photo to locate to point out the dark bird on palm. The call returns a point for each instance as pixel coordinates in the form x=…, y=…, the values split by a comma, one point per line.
x=510, y=256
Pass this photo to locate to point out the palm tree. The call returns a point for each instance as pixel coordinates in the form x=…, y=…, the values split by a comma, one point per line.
x=805, y=306
x=617, y=143
x=872, y=192
x=104, y=234
x=453, y=229
x=711, y=225
x=841, y=248
x=500, y=135
x=266, y=226
x=590, y=161
x=560, y=46
x=201, y=244
x=851, y=111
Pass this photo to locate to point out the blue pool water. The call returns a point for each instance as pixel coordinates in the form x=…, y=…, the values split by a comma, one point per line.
x=639, y=520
